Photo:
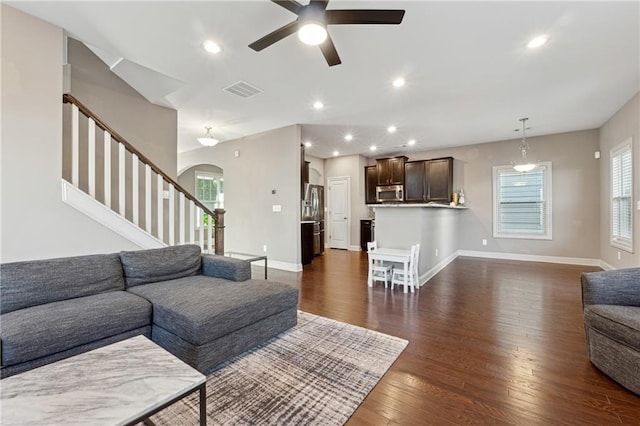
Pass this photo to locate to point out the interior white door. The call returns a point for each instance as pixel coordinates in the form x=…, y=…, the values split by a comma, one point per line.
x=339, y=199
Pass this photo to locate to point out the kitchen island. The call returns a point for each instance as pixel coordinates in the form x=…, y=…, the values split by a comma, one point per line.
x=433, y=226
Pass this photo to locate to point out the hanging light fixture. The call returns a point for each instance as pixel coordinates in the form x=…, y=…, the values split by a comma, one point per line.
x=524, y=165
x=208, y=139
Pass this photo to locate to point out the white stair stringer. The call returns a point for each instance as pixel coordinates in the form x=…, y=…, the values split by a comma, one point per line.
x=102, y=214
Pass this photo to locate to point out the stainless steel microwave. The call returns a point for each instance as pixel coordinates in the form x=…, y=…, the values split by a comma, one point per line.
x=390, y=193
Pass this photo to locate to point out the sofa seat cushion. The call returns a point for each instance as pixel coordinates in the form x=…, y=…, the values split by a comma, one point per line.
x=201, y=309
x=620, y=323
x=31, y=333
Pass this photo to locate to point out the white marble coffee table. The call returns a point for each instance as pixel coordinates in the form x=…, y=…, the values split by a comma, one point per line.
x=120, y=384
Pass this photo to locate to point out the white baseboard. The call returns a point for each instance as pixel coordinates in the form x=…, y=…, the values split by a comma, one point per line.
x=283, y=266
x=355, y=248
x=437, y=268
x=102, y=214
x=532, y=258
x=604, y=265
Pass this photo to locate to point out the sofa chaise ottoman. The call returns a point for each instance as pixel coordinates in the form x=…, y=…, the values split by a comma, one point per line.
x=611, y=304
x=202, y=308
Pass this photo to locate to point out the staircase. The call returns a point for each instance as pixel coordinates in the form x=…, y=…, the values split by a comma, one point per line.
x=108, y=179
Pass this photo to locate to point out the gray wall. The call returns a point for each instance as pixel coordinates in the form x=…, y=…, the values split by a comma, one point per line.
x=316, y=170
x=152, y=129
x=352, y=166
x=576, y=188
x=35, y=223
x=624, y=124
x=265, y=162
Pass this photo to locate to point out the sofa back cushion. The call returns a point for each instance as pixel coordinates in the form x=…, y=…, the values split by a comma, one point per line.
x=149, y=266
x=36, y=282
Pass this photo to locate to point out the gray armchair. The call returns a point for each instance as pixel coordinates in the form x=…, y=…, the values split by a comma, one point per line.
x=611, y=305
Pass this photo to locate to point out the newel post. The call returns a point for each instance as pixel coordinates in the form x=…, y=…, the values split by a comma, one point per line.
x=219, y=241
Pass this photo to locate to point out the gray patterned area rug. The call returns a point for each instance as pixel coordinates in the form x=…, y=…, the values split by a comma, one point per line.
x=317, y=373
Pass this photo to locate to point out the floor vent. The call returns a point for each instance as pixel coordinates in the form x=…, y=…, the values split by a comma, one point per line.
x=242, y=89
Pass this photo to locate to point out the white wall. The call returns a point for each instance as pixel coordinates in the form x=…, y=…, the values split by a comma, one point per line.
x=352, y=166
x=624, y=124
x=266, y=162
x=35, y=223
x=316, y=170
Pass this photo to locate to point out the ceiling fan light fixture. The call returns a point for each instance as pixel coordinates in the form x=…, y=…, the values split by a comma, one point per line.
x=208, y=139
x=312, y=33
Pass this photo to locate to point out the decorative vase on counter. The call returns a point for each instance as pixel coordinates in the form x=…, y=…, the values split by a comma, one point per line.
x=461, y=198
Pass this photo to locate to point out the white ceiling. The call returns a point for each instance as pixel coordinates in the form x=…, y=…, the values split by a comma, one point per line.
x=469, y=75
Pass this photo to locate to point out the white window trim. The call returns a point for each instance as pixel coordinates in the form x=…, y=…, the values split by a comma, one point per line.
x=625, y=244
x=197, y=173
x=548, y=204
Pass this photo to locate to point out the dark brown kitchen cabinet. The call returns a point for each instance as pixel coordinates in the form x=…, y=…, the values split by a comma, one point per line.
x=414, y=181
x=391, y=170
x=439, y=181
x=370, y=182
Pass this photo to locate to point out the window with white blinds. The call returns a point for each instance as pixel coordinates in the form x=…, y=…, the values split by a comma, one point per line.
x=621, y=196
x=522, y=202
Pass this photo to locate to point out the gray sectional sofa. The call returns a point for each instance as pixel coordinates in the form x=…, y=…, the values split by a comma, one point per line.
x=611, y=304
x=202, y=308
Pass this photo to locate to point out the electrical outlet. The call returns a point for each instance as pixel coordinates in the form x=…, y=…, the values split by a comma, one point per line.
x=619, y=256
x=264, y=248
x=276, y=208
x=484, y=242
x=437, y=252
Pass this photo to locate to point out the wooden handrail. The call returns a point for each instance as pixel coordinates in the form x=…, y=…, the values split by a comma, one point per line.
x=67, y=98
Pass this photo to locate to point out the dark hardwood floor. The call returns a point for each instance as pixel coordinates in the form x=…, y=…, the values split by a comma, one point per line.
x=490, y=342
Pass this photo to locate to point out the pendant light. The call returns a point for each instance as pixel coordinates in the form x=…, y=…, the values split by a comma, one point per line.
x=524, y=165
x=208, y=139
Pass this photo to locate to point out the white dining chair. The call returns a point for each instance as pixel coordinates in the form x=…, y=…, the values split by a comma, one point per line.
x=412, y=271
x=378, y=270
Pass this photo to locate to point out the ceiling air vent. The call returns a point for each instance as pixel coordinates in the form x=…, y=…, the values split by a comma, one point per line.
x=242, y=89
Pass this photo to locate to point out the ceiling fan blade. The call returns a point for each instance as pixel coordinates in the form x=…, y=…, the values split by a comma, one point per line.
x=329, y=51
x=322, y=4
x=362, y=16
x=274, y=36
x=290, y=5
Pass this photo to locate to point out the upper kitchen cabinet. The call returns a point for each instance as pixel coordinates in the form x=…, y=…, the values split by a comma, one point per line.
x=414, y=181
x=391, y=170
x=439, y=181
x=370, y=182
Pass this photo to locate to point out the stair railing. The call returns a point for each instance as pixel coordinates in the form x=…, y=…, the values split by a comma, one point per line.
x=191, y=213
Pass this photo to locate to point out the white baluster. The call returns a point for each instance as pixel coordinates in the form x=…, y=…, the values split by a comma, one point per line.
x=107, y=169
x=121, y=189
x=91, y=142
x=192, y=222
x=134, y=193
x=160, y=192
x=201, y=229
x=210, y=236
x=147, y=198
x=181, y=219
x=75, y=145
x=172, y=216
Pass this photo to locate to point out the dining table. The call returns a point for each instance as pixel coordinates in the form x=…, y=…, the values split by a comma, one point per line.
x=391, y=255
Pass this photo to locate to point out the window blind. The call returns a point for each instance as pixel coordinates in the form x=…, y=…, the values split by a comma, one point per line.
x=522, y=202
x=621, y=196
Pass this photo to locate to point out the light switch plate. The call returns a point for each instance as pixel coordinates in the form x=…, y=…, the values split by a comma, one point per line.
x=276, y=208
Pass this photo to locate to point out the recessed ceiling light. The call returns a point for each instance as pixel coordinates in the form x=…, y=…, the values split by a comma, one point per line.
x=211, y=46
x=391, y=129
x=307, y=144
x=312, y=33
x=412, y=142
x=373, y=148
x=537, y=41
x=336, y=153
x=318, y=105
x=348, y=137
x=398, y=82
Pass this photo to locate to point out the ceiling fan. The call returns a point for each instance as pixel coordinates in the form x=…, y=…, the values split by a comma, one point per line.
x=312, y=22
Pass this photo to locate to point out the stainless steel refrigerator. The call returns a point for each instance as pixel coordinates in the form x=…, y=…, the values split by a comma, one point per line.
x=313, y=209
